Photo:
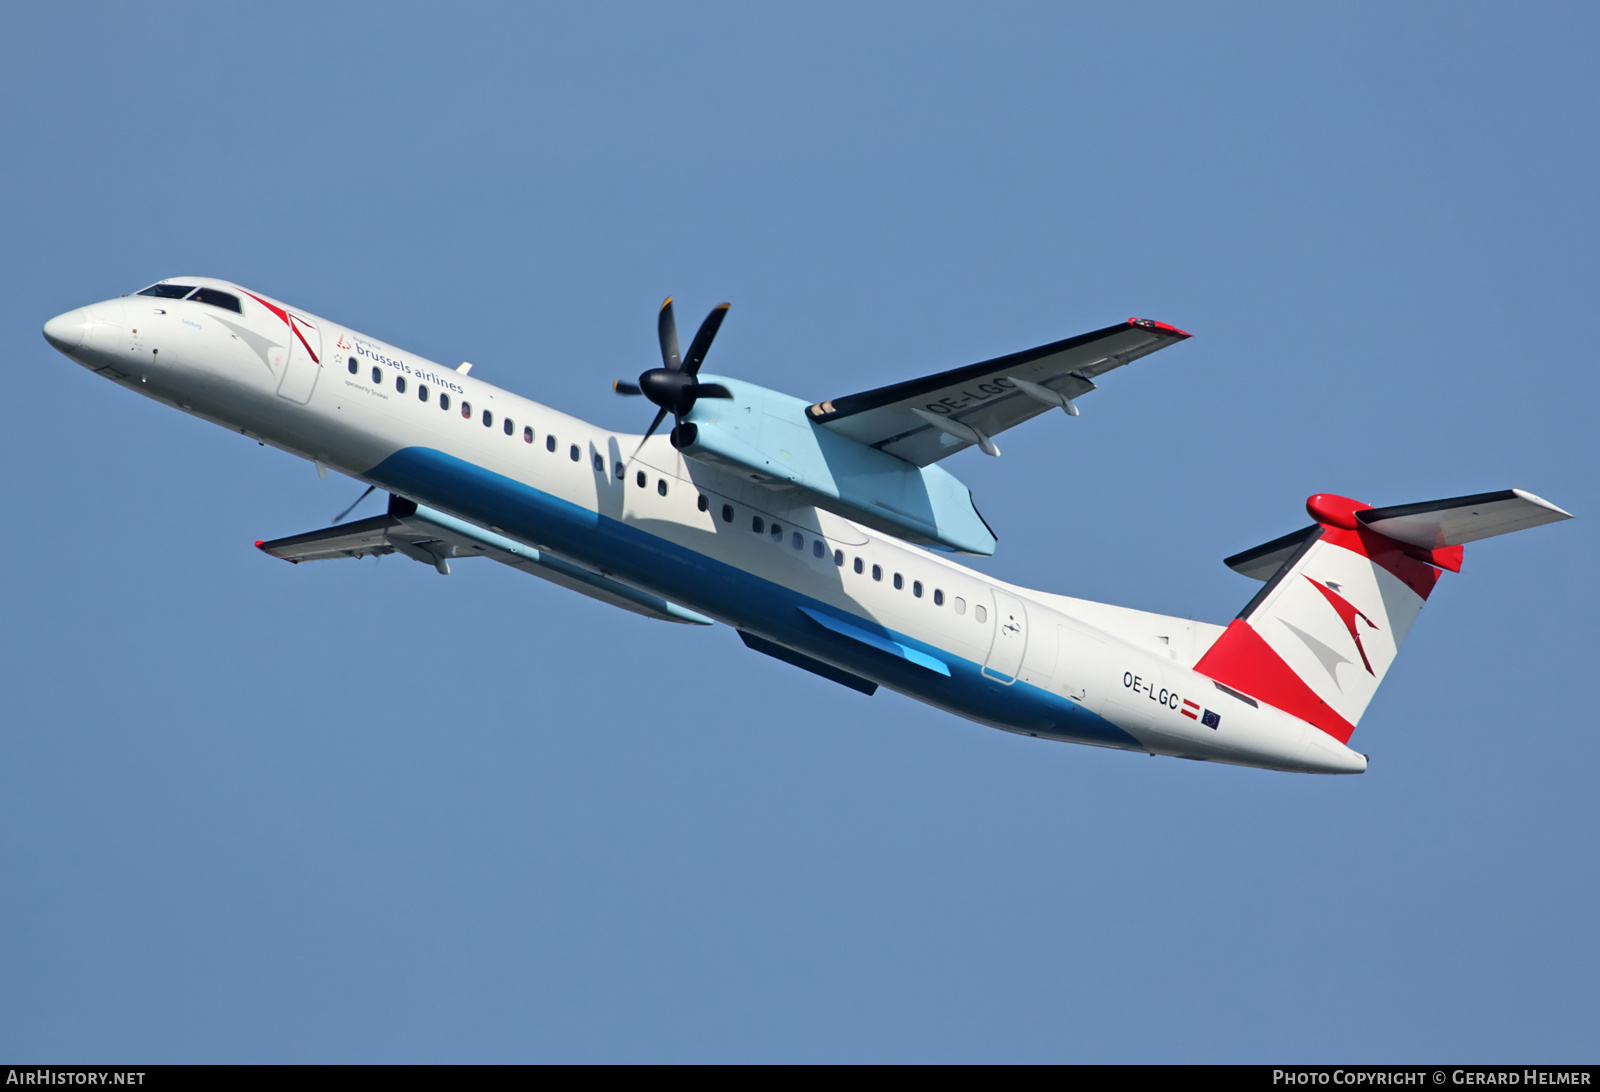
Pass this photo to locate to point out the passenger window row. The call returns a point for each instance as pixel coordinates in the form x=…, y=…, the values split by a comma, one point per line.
x=507, y=425
x=759, y=525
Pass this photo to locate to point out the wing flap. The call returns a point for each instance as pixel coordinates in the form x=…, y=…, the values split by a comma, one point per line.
x=984, y=398
x=363, y=538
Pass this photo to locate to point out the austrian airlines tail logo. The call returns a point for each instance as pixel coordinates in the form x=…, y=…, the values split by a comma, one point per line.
x=1348, y=615
x=288, y=320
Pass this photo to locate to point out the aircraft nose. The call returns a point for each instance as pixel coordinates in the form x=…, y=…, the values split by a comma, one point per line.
x=65, y=331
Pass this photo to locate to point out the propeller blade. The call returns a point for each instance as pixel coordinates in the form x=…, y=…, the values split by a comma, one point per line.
x=702, y=339
x=661, y=415
x=667, y=331
x=711, y=390
x=623, y=387
x=352, y=508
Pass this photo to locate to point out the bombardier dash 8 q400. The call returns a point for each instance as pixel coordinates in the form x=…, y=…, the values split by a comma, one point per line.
x=822, y=532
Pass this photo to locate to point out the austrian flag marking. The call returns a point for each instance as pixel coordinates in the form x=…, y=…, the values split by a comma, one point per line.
x=1190, y=709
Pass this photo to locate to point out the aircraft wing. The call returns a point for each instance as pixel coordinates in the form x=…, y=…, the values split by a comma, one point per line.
x=436, y=539
x=925, y=420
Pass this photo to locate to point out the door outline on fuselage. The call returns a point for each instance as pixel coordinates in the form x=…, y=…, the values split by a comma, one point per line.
x=1010, y=640
x=303, y=364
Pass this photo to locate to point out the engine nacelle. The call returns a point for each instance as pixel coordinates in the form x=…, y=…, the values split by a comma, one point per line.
x=766, y=435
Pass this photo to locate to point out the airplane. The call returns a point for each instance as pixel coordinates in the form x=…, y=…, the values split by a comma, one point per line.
x=825, y=533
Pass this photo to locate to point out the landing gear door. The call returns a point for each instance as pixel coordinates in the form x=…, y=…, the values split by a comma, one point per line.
x=1010, y=638
x=305, y=361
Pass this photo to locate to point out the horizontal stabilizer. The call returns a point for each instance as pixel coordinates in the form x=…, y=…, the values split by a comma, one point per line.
x=435, y=538
x=1263, y=562
x=1433, y=525
x=1429, y=526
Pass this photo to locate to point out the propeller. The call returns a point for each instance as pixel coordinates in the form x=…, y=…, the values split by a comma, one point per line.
x=352, y=508
x=673, y=386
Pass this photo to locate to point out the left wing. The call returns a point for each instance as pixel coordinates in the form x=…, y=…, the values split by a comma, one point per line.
x=925, y=420
x=435, y=538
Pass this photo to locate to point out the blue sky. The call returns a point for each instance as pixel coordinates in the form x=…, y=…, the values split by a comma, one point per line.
x=357, y=812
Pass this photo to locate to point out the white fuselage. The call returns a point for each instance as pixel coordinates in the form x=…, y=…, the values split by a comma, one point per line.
x=904, y=617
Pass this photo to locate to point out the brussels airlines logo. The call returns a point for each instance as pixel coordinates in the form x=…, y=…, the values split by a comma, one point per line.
x=290, y=321
x=1348, y=615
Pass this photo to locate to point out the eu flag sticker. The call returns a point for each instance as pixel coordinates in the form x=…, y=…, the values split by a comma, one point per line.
x=1210, y=720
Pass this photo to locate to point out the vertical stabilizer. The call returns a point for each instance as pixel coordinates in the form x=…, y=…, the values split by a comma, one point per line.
x=1319, y=637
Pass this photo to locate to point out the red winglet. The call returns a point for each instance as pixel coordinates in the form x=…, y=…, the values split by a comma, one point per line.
x=1152, y=324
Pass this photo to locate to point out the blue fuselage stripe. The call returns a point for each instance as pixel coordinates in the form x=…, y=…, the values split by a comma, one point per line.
x=727, y=592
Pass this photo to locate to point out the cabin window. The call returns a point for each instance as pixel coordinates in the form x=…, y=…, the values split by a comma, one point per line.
x=422, y=392
x=488, y=419
x=549, y=442
x=727, y=513
x=599, y=463
x=938, y=597
x=527, y=434
x=858, y=566
x=621, y=472
x=377, y=375
x=877, y=572
x=838, y=558
x=777, y=532
x=225, y=300
x=639, y=479
x=797, y=540
x=511, y=429
x=400, y=383
x=818, y=550
x=704, y=502
x=756, y=525
x=573, y=453
x=466, y=411
x=444, y=401
x=354, y=367
x=168, y=291
x=980, y=612
x=960, y=605
x=899, y=582
x=661, y=486
x=916, y=588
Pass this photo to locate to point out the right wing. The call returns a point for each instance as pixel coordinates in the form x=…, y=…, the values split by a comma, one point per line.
x=434, y=538
x=925, y=420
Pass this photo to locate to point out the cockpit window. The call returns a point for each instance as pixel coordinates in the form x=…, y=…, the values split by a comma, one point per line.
x=168, y=291
x=226, y=300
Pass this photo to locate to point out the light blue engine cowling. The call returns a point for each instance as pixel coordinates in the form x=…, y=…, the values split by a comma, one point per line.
x=766, y=434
